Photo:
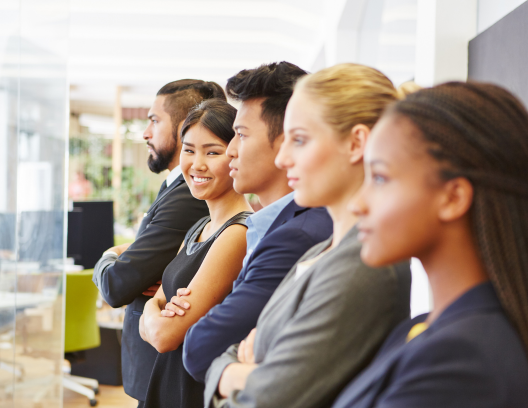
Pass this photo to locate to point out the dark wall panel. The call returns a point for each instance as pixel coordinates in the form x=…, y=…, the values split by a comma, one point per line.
x=500, y=54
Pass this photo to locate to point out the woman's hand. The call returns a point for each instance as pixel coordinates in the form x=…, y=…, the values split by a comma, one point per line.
x=177, y=305
x=245, y=349
x=235, y=375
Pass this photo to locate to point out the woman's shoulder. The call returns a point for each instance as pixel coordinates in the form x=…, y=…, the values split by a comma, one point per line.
x=196, y=229
x=345, y=260
x=238, y=219
x=482, y=344
x=232, y=231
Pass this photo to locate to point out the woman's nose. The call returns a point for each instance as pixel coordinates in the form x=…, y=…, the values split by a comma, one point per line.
x=199, y=163
x=283, y=160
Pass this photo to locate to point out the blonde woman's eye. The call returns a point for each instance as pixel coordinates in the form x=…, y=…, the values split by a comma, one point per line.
x=299, y=141
x=379, y=179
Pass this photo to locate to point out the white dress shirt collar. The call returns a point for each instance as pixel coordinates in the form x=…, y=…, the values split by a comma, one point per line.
x=173, y=175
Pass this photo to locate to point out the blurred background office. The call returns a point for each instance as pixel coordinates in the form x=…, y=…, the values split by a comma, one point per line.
x=77, y=78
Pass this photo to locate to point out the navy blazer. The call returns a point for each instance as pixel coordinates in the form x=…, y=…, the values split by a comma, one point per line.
x=122, y=280
x=295, y=230
x=470, y=357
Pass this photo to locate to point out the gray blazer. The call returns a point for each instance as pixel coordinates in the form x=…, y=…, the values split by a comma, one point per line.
x=317, y=332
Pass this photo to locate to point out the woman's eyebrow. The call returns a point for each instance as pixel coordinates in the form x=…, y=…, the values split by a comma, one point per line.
x=212, y=144
x=375, y=162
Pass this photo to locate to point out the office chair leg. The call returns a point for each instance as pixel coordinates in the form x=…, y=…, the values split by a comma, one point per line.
x=80, y=389
x=89, y=382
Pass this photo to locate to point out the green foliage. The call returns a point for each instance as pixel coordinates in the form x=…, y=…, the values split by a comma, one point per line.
x=92, y=155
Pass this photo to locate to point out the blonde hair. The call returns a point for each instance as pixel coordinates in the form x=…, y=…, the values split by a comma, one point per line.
x=407, y=88
x=351, y=94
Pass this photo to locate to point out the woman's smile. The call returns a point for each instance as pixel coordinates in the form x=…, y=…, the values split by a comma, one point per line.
x=197, y=180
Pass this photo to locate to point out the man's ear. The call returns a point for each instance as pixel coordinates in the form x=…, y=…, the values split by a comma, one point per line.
x=457, y=199
x=358, y=139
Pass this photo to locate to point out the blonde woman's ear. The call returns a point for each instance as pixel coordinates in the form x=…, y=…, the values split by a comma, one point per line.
x=358, y=140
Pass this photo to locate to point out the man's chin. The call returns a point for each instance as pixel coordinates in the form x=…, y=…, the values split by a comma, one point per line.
x=240, y=188
x=154, y=165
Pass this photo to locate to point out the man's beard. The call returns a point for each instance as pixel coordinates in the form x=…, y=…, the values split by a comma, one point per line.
x=164, y=157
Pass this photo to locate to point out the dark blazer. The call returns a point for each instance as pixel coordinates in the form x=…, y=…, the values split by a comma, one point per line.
x=318, y=330
x=295, y=230
x=122, y=280
x=470, y=357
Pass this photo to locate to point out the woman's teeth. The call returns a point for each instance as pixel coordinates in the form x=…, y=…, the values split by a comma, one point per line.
x=201, y=180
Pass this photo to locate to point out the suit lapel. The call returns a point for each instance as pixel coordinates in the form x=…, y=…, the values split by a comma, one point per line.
x=179, y=180
x=289, y=212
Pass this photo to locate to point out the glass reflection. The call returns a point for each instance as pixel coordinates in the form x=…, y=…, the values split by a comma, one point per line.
x=33, y=108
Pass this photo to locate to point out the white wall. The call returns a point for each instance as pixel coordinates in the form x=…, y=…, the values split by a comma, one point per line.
x=444, y=28
x=491, y=11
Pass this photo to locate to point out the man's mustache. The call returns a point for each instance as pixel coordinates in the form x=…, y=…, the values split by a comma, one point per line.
x=152, y=147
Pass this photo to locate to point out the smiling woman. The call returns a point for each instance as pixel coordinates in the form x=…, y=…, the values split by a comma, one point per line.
x=205, y=135
x=210, y=257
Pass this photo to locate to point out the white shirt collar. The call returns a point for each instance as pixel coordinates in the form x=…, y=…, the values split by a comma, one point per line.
x=173, y=175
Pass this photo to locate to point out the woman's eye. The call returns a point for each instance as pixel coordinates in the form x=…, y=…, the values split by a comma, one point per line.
x=188, y=151
x=379, y=179
x=241, y=136
x=298, y=141
x=213, y=153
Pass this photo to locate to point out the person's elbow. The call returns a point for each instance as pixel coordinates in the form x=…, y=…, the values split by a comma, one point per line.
x=113, y=298
x=159, y=339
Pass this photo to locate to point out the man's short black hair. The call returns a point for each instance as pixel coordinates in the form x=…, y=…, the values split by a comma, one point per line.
x=275, y=83
x=184, y=94
x=206, y=89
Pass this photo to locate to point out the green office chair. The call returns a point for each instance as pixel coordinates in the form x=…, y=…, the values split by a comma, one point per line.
x=81, y=331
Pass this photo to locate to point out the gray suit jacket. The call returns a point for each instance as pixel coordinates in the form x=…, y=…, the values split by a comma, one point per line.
x=317, y=332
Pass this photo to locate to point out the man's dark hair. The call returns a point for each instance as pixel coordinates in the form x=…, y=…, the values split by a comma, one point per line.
x=273, y=82
x=184, y=94
x=215, y=115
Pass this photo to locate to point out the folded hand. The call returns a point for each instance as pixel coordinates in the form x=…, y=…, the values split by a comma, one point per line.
x=177, y=304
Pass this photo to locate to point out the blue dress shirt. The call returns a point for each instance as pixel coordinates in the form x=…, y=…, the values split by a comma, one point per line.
x=258, y=224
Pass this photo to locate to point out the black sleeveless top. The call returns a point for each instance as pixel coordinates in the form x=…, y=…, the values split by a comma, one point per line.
x=170, y=385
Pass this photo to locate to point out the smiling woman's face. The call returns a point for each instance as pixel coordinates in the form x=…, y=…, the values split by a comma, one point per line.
x=204, y=164
x=399, y=203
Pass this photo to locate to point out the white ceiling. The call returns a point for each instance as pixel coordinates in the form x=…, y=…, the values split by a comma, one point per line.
x=144, y=44
x=141, y=45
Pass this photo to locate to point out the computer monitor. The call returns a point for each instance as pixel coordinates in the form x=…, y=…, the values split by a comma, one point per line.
x=96, y=230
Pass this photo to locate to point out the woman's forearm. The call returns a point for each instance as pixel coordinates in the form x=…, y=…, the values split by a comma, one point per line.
x=163, y=333
x=142, y=331
x=148, y=323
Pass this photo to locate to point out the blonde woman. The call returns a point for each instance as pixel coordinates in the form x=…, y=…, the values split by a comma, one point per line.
x=331, y=313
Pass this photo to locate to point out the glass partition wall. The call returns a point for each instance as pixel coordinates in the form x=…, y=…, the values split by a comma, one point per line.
x=33, y=141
